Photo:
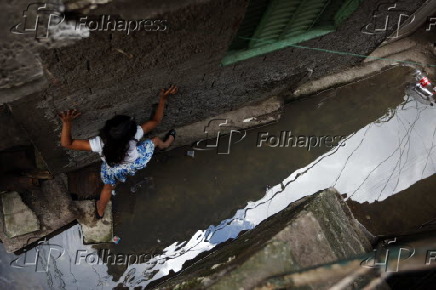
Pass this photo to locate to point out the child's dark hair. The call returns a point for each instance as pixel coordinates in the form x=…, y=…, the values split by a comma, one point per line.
x=116, y=135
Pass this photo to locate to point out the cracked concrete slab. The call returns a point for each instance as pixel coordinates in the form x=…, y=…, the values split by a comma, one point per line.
x=19, y=219
x=94, y=230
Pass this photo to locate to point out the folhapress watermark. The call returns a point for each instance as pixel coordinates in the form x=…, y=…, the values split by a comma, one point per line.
x=431, y=24
x=286, y=139
x=389, y=18
x=46, y=254
x=106, y=257
x=225, y=136
x=389, y=259
x=43, y=19
x=109, y=23
x=38, y=18
x=393, y=257
x=221, y=135
x=40, y=257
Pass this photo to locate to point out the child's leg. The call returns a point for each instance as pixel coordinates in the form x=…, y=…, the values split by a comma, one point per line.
x=161, y=144
x=105, y=197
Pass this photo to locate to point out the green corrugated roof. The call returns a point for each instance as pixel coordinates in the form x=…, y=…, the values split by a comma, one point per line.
x=270, y=25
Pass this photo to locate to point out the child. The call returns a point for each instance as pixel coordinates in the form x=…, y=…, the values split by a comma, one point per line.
x=118, y=145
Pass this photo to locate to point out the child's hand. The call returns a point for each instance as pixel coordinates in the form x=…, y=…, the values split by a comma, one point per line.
x=164, y=93
x=68, y=116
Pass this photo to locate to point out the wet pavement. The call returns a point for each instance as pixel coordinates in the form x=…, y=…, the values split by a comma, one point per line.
x=211, y=187
x=384, y=163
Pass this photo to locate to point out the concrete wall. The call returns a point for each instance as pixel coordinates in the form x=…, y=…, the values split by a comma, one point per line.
x=315, y=230
x=113, y=73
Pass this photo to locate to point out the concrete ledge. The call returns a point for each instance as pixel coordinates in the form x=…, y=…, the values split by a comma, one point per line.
x=404, y=52
x=94, y=230
x=391, y=49
x=315, y=230
x=256, y=114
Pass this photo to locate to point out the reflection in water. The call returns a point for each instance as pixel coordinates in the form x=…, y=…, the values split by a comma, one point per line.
x=53, y=264
x=379, y=160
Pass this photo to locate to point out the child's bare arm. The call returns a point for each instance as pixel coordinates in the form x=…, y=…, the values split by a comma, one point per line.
x=66, y=140
x=157, y=118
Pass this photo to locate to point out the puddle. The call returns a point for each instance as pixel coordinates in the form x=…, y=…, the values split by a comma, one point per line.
x=401, y=213
x=388, y=147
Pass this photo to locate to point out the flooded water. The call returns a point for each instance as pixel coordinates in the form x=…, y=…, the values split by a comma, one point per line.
x=373, y=143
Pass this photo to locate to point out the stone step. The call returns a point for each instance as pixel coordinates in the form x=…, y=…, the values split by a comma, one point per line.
x=19, y=219
x=95, y=230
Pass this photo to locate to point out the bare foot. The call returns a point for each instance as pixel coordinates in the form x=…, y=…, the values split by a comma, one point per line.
x=100, y=210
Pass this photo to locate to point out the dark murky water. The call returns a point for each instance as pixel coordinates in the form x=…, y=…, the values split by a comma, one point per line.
x=387, y=151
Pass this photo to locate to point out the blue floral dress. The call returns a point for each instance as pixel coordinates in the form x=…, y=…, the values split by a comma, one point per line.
x=110, y=175
x=137, y=157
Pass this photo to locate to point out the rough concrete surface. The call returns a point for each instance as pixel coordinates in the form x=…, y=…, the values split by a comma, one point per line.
x=253, y=115
x=21, y=69
x=113, y=73
x=94, y=230
x=10, y=133
x=53, y=207
x=283, y=243
x=19, y=219
x=406, y=52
